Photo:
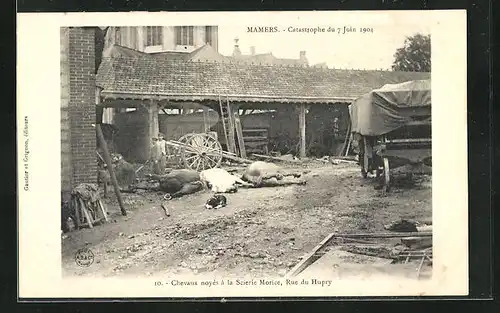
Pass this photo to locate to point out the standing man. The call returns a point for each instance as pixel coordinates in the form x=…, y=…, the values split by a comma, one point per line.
x=163, y=152
x=158, y=154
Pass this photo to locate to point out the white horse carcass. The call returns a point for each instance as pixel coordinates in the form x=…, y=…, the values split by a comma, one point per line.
x=221, y=181
x=264, y=174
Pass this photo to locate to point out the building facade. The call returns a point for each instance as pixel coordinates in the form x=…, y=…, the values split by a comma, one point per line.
x=153, y=39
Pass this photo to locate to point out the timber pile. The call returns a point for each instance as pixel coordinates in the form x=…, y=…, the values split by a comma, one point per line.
x=415, y=245
x=87, y=206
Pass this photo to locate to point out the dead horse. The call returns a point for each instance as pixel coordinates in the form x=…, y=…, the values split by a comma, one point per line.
x=264, y=174
x=178, y=183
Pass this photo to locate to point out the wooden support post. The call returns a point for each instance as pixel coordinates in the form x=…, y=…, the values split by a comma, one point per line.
x=302, y=130
x=206, y=124
x=231, y=129
x=239, y=133
x=107, y=158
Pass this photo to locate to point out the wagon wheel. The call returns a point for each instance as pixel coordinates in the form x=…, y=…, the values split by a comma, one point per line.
x=203, y=151
x=176, y=152
x=184, y=139
x=379, y=168
x=387, y=176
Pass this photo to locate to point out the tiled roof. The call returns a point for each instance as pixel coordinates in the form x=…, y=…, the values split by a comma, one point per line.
x=145, y=76
x=266, y=58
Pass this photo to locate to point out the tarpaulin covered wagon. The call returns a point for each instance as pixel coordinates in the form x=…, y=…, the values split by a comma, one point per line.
x=392, y=126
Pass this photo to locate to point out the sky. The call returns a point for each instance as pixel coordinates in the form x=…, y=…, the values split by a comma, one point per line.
x=373, y=50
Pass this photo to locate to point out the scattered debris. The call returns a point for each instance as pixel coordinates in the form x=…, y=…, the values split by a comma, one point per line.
x=285, y=158
x=165, y=209
x=86, y=206
x=402, y=226
x=417, y=242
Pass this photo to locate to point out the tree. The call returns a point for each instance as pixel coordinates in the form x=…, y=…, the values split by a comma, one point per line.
x=415, y=55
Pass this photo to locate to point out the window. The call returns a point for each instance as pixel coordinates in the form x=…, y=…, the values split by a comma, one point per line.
x=153, y=36
x=209, y=35
x=118, y=36
x=184, y=35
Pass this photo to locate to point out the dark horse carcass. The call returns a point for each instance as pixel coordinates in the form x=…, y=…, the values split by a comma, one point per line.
x=178, y=183
x=392, y=127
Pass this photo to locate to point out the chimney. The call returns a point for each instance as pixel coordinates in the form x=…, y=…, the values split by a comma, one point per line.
x=303, y=58
x=236, y=51
x=252, y=50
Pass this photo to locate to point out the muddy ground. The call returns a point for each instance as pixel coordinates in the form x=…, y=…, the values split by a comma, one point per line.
x=263, y=231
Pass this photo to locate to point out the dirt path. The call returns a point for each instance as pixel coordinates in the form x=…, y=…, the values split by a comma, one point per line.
x=263, y=231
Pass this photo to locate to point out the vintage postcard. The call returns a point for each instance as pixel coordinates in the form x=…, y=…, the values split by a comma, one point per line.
x=242, y=154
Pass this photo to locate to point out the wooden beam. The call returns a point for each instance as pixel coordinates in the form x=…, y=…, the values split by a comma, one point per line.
x=231, y=126
x=239, y=133
x=114, y=103
x=206, y=124
x=384, y=235
x=268, y=157
x=107, y=158
x=153, y=125
x=310, y=257
x=302, y=130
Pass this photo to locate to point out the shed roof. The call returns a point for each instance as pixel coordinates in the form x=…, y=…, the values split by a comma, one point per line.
x=145, y=76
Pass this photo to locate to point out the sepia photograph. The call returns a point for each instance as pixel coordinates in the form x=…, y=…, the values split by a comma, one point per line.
x=289, y=155
x=226, y=162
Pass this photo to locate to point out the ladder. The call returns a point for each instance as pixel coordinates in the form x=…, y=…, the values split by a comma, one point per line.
x=231, y=123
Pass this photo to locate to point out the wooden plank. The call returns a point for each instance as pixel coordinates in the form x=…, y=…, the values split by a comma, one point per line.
x=302, y=130
x=239, y=134
x=252, y=138
x=384, y=235
x=103, y=210
x=234, y=158
x=107, y=158
x=252, y=130
x=268, y=157
x=310, y=257
x=409, y=140
x=232, y=141
x=90, y=222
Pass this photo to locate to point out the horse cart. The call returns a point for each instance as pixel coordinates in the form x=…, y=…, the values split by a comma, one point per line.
x=197, y=151
x=392, y=127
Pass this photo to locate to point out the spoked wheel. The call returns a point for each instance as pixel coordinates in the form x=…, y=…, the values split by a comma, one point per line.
x=176, y=152
x=387, y=176
x=203, y=152
x=184, y=139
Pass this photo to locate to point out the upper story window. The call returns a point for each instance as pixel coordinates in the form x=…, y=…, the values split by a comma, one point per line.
x=209, y=35
x=184, y=35
x=118, y=36
x=154, y=35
